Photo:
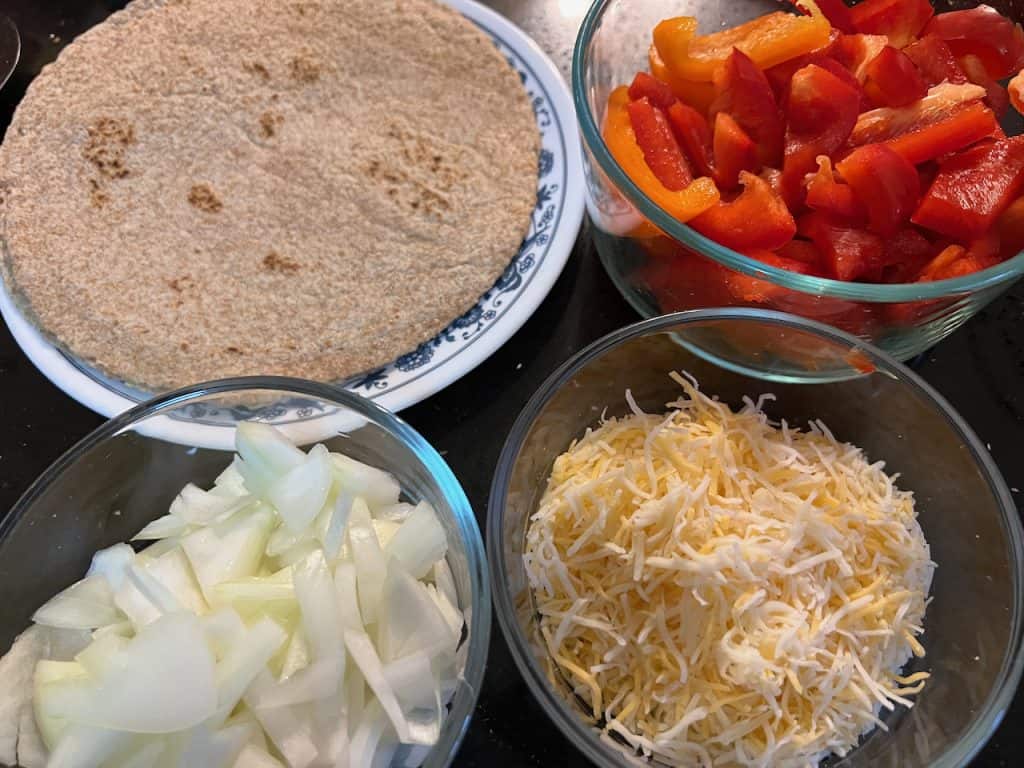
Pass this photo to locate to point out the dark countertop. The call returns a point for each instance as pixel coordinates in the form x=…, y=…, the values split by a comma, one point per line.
x=980, y=370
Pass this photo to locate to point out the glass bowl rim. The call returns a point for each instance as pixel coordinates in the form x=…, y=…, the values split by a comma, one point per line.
x=1001, y=273
x=457, y=720
x=988, y=716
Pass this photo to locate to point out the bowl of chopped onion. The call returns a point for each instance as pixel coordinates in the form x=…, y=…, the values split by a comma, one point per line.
x=696, y=564
x=253, y=572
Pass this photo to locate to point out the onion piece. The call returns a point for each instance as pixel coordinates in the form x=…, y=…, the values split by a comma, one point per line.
x=145, y=755
x=296, y=656
x=245, y=661
x=410, y=620
x=46, y=673
x=82, y=746
x=334, y=536
x=288, y=727
x=420, y=541
x=412, y=680
x=229, y=550
x=371, y=567
x=394, y=513
x=195, y=506
x=163, y=681
x=366, y=658
x=214, y=748
x=366, y=741
x=300, y=494
x=264, y=455
x=252, y=756
x=377, y=487
x=112, y=564
x=162, y=528
x=86, y=604
x=445, y=582
x=143, y=599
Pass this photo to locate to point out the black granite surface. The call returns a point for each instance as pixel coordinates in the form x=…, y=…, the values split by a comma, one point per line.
x=980, y=370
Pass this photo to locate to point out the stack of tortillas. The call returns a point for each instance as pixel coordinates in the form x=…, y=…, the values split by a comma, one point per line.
x=207, y=188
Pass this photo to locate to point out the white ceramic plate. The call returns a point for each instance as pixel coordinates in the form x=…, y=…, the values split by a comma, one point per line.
x=470, y=339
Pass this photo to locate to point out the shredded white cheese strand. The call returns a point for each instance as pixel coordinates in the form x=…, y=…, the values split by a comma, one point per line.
x=725, y=591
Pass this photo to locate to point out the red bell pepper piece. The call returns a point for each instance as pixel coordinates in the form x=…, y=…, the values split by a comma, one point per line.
x=955, y=261
x=694, y=135
x=886, y=123
x=848, y=253
x=972, y=189
x=893, y=80
x=735, y=151
x=757, y=218
x=825, y=193
x=822, y=111
x=750, y=289
x=838, y=14
x=886, y=184
x=1011, y=229
x=743, y=91
x=899, y=20
x=800, y=250
x=1015, y=91
x=855, y=52
x=935, y=61
x=995, y=95
x=645, y=86
x=780, y=75
x=967, y=125
x=661, y=151
x=905, y=255
x=983, y=32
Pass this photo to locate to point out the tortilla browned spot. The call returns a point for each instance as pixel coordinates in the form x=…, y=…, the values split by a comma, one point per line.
x=208, y=188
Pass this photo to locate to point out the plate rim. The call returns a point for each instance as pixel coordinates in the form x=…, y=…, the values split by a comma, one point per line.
x=69, y=374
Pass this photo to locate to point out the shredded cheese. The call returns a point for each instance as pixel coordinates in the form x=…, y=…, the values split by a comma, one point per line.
x=721, y=590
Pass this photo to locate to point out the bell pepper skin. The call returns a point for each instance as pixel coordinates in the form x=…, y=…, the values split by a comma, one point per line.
x=899, y=20
x=821, y=113
x=838, y=14
x=855, y=52
x=827, y=194
x=885, y=183
x=661, y=151
x=893, y=80
x=965, y=126
x=744, y=92
x=849, y=253
x=801, y=250
x=886, y=123
x=995, y=95
x=935, y=61
x=734, y=151
x=622, y=143
x=645, y=86
x=756, y=219
x=904, y=256
x=972, y=189
x=768, y=40
x=983, y=32
x=694, y=136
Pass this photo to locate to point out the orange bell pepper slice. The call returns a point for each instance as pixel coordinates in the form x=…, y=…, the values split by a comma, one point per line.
x=683, y=204
x=768, y=40
x=695, y=93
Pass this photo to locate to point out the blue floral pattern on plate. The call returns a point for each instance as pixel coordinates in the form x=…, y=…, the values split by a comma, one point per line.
x=552, y=174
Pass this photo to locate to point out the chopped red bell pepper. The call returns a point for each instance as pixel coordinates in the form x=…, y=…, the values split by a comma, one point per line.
x=893, y=80
x=848, y=253
x=800, y=250
x=886, y=123
x=886, y=184
x=735, y=151
x=967, y=125
x=773, y=177
x=985, y=33
x=743, y=91
x=855, y=52
x=899, y=20
x=821, y=111
x=645, y=86
x=952, y=261
x=748, y=288
x=838, y=14
x=995, y=95
x=661, y=151
x=825, y=193
x=935, y=61
x=1011, y=229
x=757, y=218
x=905, y=255
x=972, y=189
x=694, y=135
x=780, y=75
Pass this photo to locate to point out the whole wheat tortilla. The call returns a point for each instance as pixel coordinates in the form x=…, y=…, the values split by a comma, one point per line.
x=208, y=188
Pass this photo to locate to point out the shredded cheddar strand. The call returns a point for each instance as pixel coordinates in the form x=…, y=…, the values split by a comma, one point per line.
x=725, y=591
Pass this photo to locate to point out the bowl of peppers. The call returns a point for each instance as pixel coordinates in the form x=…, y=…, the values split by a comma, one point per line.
x=860, y=165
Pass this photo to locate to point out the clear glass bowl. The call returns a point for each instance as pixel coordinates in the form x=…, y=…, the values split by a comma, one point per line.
x=678, y=268
x=127, y=472
x=973, y=629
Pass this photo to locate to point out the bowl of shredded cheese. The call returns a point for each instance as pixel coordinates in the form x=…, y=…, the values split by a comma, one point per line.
x=695, y=566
